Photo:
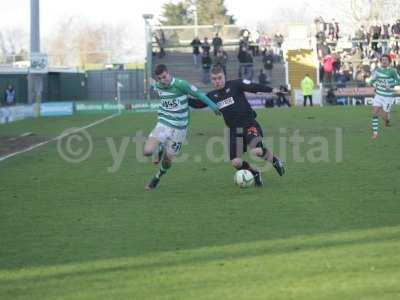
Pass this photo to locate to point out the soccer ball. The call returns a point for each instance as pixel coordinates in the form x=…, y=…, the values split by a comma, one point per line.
x=243, y=178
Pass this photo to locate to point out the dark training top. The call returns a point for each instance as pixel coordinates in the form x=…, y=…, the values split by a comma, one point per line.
x=232, y=102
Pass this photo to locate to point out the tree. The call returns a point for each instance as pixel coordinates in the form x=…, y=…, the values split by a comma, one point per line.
x=13, y=44
x=212, y=12
x=78, y=42
x=176, y=14
x=209, y=12
x=59, y=46
x=375, y=10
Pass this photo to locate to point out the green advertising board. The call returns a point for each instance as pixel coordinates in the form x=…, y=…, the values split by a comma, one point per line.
x=101, y=107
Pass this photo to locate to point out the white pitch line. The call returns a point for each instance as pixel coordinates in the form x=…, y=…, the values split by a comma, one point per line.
x=20, y=136
x=25, y=134
x=30, y=148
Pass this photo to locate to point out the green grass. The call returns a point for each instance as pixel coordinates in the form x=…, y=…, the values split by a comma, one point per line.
x=327, y=230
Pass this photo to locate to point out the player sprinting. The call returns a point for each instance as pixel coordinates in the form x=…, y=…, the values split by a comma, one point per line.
x=384, y=79
x=173, y=119
x=240, y=118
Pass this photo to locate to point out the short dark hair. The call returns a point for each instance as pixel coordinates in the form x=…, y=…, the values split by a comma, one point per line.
x=387, y=56
x=217, y=69
x=161, y=68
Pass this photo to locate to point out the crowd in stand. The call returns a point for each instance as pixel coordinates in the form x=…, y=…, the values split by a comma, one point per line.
x=342, y=67
x=250, y=46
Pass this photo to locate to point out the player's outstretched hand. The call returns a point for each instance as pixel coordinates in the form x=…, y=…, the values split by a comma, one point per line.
x=217, y=112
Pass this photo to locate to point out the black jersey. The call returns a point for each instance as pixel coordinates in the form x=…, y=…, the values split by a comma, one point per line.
x=233, y=104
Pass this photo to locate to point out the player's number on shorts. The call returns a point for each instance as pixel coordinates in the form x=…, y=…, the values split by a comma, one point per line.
x=176, y=146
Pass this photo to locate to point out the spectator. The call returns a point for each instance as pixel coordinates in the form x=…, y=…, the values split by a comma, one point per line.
x=333, y=28
x=278, y=41
x=376, y=33
x=385, y=36
x=360, y=37
x=263, y=42
x=396, y=32
x=217, y=43
x=253, y=46
x=396, y=29
x=320, y=27
x=325, y=50
x=206, y=46
x=244, y=37
x=337, y=64
x=341, y=79
x=262, y=77
x=256, y=44
x=9, y=96
x=196, y=43
x=282, y=100
x=268, y=60
x=162, y=43
x=206, y=62
x=221, y=59
x=393, y=57
x=307, y=87
x=248, y=68
x=159, y=41
x=242, y=57
x=328, y=67
x=331, y=97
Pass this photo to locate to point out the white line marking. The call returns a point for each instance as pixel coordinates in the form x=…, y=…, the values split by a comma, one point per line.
x=21, y=136
x=3, y=158
x=25, y=134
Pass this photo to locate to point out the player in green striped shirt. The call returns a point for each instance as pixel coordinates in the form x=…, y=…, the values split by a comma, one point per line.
x=384, y=79
x=173, y=119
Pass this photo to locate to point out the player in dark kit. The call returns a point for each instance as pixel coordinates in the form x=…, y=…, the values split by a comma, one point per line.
x=240, y=118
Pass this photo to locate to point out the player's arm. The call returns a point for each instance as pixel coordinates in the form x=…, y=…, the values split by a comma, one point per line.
x=193, y=91
x=194, y=103
x=251, y=87
x=396, y=77
x=370, y=81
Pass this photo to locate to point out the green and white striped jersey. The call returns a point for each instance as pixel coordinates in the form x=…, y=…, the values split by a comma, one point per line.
x=174, y=108
x=384, y=80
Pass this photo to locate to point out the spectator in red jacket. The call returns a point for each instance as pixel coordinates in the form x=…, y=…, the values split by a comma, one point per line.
x=327, y=63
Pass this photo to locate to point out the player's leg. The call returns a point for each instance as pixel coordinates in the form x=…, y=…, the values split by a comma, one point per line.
x=386, y=111
x=173, y=145
x=376, y=112
x=165, y=165
x=153, y=147
x=254, y=137
x=386, y=118
x=154, y=144
x=240, y=164
x=237, y=147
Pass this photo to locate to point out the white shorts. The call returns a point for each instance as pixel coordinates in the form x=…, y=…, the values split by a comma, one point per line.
x=384, y=102
x=171, y=138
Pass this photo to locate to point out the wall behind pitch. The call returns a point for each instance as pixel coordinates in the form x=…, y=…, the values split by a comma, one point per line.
x=59, y=86
x=102, y=84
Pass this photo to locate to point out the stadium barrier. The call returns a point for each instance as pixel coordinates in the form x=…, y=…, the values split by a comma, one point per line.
x=15, y=113
x=68, y=108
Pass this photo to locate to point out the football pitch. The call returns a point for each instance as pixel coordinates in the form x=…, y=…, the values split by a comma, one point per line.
x=76, y=223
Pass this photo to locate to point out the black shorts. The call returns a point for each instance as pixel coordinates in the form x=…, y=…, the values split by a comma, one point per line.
x=241, y=138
